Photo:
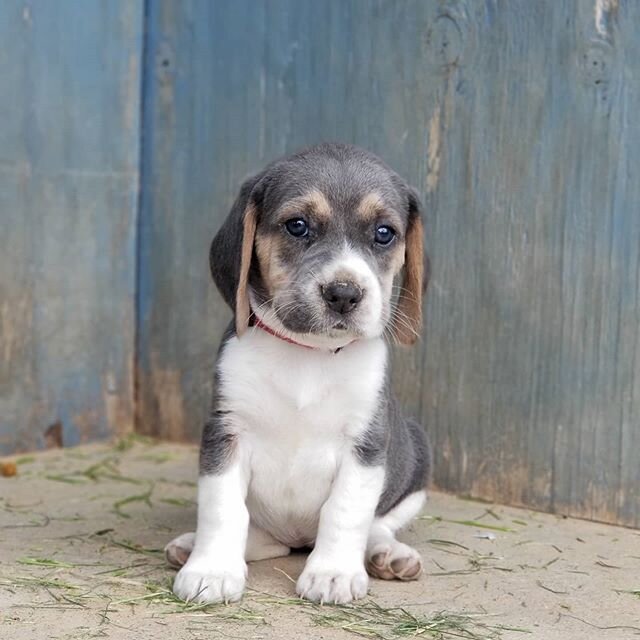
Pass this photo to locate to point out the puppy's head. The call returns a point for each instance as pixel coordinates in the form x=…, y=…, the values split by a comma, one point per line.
x=313, y=244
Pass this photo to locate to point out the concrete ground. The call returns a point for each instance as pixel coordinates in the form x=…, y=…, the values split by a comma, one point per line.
x=81, y=533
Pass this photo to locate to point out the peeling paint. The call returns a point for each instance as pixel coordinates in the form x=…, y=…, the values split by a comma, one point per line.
x=163, y=402
x=509, y=483
x=603, y=10
x=53, y=435
x=169, y=396
x=433, y=151
x=118, y=403
x=86, y=423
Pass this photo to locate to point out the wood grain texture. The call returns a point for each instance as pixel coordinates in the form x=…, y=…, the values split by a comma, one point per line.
x=517, y=122
x=233, y=85
x=69, y=157
x=531, y=368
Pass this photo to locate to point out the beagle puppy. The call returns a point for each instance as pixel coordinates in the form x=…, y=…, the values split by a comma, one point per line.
x=305, y=445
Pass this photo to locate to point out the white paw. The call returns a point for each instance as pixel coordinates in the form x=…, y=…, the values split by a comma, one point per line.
x=209, y=581
x=394, y=561
x=335, y=586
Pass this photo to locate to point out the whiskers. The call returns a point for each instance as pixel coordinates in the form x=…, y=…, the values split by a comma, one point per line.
x=399, y=322
x=270, y=310
x=398, y=290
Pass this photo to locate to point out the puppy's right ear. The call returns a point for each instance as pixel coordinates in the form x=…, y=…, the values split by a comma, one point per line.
x=408, y=313
x=232, y=250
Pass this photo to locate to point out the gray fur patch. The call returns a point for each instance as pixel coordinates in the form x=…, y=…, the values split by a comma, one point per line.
x=371, y=447
x=217, y=442
x=217, y=445
x=408, y=462
x=401, y=445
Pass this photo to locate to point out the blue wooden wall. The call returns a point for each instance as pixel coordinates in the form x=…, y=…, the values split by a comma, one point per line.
x=516, y=120
x=69, y=167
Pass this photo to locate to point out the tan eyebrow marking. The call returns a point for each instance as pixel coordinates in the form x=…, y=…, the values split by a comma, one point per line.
x=314, y=200
x=370, y=206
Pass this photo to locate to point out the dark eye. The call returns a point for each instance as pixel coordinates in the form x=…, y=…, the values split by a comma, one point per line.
x=384, y=234
x=297, y=227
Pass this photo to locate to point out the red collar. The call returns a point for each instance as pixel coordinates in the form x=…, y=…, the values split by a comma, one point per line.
x=258, y=323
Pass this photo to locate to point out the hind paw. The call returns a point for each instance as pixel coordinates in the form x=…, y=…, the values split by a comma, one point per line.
x=394, y=561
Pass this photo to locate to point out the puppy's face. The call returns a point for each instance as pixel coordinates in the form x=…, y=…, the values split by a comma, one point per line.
x=332, y=229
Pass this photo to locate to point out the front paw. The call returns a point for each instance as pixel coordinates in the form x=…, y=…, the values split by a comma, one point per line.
x=332, y=585
x=208, y=581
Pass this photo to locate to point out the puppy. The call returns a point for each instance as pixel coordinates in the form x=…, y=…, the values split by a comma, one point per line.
x=305, y=446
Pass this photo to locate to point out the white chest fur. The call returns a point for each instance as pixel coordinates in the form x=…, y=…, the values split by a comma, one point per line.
x=296, y=413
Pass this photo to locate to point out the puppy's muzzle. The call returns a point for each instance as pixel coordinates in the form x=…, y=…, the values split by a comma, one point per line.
x=342, y=297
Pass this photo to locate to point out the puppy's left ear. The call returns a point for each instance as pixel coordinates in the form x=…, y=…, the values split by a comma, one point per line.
x=232, y=250
x=408, y=313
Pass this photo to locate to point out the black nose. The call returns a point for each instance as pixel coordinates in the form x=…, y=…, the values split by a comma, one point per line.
x=341, y=297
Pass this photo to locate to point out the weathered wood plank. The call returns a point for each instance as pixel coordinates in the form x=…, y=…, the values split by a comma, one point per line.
x=532, y=353
x=517, y=122
x=69, y=139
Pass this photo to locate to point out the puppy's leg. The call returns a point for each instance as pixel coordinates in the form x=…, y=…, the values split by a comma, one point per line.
x=216, y=570
x=260, y=546
x=335, y=570
x=388, y=558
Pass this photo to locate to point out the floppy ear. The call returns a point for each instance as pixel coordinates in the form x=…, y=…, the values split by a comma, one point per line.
x=408, y=313
x=231, y=252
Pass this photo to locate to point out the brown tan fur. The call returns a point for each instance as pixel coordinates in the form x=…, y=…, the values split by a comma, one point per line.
x=408, y=313
x=271, y=269
x=267, y=247
x=372, y=206
x=314, y=201
x=242, y=295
